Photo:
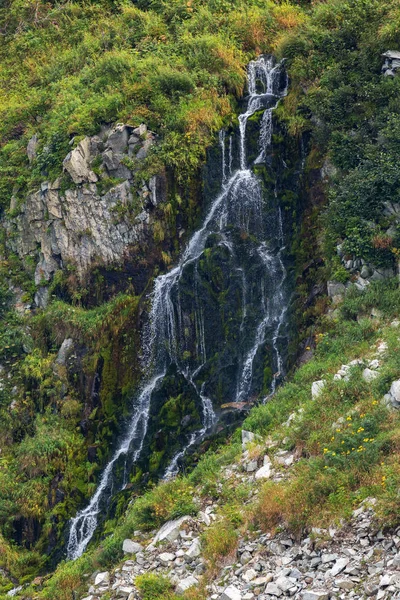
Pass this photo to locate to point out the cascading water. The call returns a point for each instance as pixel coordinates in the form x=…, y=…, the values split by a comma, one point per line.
x=219, y=314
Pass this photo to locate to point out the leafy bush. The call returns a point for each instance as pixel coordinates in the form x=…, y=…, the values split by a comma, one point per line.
x=169, y=500
x=154, y=587
x=220, y=541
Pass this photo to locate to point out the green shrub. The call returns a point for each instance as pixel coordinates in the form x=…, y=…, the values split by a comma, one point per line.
x=168, y=500
x=154, y=587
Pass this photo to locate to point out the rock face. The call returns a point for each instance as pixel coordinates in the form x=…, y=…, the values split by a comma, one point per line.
x=82, y=223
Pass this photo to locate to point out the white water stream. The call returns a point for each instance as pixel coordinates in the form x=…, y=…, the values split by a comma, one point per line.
x=240, y=204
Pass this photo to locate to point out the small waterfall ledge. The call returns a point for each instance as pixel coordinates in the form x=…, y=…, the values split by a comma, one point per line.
x=215, y=340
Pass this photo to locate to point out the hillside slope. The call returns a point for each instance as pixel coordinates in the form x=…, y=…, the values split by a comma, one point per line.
x=108, y=152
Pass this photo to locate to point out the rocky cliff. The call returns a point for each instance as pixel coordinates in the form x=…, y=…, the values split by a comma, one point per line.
x=94, y=213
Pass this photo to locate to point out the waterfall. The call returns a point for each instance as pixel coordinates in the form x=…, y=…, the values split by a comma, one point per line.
x=187, y=328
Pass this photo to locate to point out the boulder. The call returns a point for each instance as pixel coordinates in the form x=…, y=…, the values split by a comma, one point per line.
x=368, y=375
x=284, y=583
x=231, y=593
x=335, y=289
x=170, y=530
x=131, y=547
x=194, y=549
x=144, y=150
x=251, y=466
x=166, y=557
x=265, y=472
x=339, y=566
x=317, y=388
x=102, y=578
x=345, y=584
x=249, y=575
x=273, y=590
x=185, y=584
x=284, y=458
x=247, y=437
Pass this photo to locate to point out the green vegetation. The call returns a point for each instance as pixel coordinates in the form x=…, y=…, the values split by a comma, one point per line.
x=347, y=442
x=154, y=587
x=176, y=66
x=68, y=68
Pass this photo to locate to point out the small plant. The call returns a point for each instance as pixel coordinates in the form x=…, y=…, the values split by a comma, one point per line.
x=220, y=541
x=154, y=587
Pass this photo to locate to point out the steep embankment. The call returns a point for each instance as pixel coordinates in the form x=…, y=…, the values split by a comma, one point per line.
x=104, y=228
x=302, y=503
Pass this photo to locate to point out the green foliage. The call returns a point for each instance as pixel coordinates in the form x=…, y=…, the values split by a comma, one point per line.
x=154, y=587
x=381, y=295
x=169, y=500
x=220, y=540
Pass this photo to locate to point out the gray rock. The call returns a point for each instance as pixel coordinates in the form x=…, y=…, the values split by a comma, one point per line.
x=265, y=472
x=78, y=226
x=65, y=349
x=140, y=131
x=335, y=289
x=371, y=588
x=15, y=590
x=249, y=575
x=317, y=388
x=185, y=584
x=144, y=150
x=381, y=274
x=314, y=595
x=251, y=466
x=327, y=558
x=117, y=141
x=170, y=531
x=45, y=269
x=361, y=283
x=166, y=557
x=395, y=390
x=102, y=578
x=284, y=458
x=365, y=272
x=77, y=162
x=247, y=437
x=368, y=375
x=195, y=549
x=284, y=583
x=273, y=590
x=339, y=566
x=345, y=584
x=245, y=558
x=231, y=593
x=131, y=547
x=42, y=297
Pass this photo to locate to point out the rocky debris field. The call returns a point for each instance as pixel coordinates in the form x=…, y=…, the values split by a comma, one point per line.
x=355, y=561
